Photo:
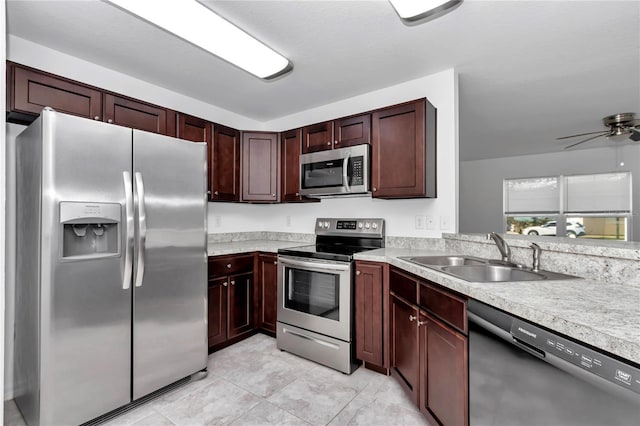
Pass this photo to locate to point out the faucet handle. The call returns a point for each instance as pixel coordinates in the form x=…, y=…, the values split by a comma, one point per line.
x=536, y=256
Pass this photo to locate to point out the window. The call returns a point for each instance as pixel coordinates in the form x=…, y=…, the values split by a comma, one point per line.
x=586, y=206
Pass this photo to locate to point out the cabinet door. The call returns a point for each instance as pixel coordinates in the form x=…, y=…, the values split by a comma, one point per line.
x=135, y=114
x=31, y=90
x=197, y=130
x=317, y=137
x=369, y=313
x=405, y=346
x=268, y=307
x=403, y=157
x=443, y=373
x=351, y=131
x=260, y=167
x=225, y=158
x=291, y=142
x=217, y=315
x=240, y=304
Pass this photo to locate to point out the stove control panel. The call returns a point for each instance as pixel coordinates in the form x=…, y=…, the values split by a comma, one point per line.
x=373, y=228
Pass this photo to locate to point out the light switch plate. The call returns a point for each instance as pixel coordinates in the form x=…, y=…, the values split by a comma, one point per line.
x=419, y=222
x=431, y=223
x=444, y=222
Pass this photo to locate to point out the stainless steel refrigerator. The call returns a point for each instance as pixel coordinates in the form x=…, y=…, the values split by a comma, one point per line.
x=111, y=266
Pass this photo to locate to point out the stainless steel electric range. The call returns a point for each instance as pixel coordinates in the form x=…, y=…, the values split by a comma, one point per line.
x=315, y=291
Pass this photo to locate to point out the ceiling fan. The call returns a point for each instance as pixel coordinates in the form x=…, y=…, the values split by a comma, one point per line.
x=620, y=126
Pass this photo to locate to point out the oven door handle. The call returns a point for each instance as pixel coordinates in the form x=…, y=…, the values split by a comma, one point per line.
x=314, y=265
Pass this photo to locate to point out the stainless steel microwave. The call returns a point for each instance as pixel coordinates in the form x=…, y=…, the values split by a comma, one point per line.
x=342, y=171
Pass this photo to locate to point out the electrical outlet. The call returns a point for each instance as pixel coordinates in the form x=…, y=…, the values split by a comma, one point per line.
x=419, y=222
x=217, y=221
x=431, y=223
x=288, y=221
x=444, y=222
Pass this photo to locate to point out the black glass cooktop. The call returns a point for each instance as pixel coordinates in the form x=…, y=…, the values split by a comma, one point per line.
x=342, y=253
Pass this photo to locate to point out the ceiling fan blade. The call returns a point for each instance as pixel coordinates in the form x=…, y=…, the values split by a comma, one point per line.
x=635, y=134
x=603, y=132
x=585, y=140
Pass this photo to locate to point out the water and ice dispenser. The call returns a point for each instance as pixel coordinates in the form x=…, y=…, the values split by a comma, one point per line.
x=89, y=230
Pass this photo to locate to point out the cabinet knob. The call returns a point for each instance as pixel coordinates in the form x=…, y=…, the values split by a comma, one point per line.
x=109, y=121
x=273, y=195
x=275, y=262
x=97, y=117
x=357, y=272
x=329, y=143
x=412, y=318
x=421, y=323
x=224, y=283
x=233, y=283
x=215, y=193
x=336, y=142
x=297, y=194
x=228, y=266
x=375, y=189
x=209, y=192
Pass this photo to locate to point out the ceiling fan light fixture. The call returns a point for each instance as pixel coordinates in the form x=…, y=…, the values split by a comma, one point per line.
x=413, y=10
x=199, y=25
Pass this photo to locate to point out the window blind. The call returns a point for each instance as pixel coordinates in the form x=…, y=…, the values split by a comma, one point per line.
x=598, y=193
x=532, y=195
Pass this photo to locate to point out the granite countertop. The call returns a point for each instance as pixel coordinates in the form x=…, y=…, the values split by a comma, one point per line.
x=248, y=246
x=605, y=315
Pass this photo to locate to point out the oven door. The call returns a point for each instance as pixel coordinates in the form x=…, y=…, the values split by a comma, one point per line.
x=315, y=295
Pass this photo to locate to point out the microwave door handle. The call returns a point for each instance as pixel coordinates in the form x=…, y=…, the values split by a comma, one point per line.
x=345, y=167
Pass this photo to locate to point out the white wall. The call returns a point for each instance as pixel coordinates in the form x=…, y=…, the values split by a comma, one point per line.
x=481, y=180
x=37, y=56
x=441, y=90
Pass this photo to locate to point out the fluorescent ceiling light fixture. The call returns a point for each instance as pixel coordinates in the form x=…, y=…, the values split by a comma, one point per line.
x=197, y=24
x=413, y=10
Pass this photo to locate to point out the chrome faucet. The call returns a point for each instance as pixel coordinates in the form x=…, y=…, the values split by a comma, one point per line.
x=504, y=248
x=536, y=256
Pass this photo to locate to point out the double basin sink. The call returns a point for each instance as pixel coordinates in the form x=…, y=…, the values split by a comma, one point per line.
x=476, y=269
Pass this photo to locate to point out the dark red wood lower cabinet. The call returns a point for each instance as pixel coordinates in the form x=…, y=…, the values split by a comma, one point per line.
x=240, y=304
x=370, y=313
x=405, y=346
x=268, y=289
x=217, y=306
x=443, y=373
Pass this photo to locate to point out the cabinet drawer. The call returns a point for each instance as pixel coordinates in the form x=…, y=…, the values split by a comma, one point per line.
x=444, y=305
x=225, y=265
x=403, y=285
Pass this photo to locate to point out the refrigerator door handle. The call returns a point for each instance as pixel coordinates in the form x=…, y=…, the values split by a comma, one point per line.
x=142, y=229
x=128, y=247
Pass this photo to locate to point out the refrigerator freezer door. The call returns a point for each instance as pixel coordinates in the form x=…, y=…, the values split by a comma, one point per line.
x=169, y=327
x=85, y=313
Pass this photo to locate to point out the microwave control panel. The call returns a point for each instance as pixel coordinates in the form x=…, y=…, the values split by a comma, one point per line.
x=357, y=171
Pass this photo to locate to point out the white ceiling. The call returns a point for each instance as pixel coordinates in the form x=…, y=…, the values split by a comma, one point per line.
x=529, y=71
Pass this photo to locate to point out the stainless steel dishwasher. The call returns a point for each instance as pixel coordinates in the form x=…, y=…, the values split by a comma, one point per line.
x=521, y=374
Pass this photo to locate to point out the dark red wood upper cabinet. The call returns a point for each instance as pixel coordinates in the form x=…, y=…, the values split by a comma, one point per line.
x=197, y=130
x=30, y=90
x=260, y=167
x=135, y=114
x=403, y=158
x=225, y=162
x=291, y=143
x=351, y=131
x=317, y=137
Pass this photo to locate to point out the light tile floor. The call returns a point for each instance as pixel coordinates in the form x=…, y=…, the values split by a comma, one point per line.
x=254, y=383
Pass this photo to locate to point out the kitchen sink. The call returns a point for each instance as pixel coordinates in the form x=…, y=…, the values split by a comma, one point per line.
x=492, y=273
x=475, y=269
x=445, y=260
